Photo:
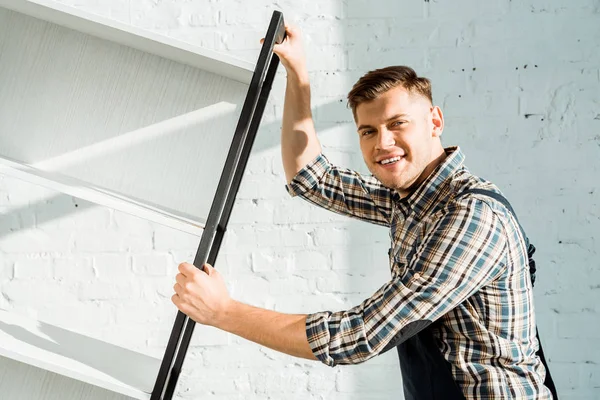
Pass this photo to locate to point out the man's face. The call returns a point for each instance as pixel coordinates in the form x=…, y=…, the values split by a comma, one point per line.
x=399, y=136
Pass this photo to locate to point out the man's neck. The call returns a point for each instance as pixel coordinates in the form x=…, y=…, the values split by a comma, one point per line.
x=439, y=158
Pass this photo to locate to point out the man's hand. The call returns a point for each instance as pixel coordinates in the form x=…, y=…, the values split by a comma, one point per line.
x=201, y=294
x=291, y=52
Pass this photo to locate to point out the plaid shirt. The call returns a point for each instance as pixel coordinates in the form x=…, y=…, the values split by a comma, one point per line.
x=459, y=261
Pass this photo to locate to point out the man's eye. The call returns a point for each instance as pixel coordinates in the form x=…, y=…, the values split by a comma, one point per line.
x=397, y=123
x=365, y=133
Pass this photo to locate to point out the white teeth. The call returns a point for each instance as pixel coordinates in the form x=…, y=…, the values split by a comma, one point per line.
x=390, y=160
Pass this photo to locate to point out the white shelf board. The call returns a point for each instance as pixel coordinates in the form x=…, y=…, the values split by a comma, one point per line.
x=85, y=191
x=131, y=36
x=77, y=356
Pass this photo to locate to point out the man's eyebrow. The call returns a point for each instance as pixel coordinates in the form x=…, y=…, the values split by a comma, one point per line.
x=388, y=120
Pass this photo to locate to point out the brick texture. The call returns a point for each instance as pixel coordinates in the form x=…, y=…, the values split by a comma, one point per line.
x=519, y=84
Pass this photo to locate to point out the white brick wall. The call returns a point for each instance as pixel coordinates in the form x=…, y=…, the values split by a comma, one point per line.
x=520, y=86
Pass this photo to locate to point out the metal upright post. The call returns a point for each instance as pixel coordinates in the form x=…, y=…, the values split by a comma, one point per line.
x=218, y=217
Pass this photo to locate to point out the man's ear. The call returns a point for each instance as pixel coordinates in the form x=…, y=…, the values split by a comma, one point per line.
x=437, y=119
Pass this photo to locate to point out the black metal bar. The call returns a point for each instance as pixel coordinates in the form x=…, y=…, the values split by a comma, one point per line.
x=189, y=328
x=170, y=351
x=254, y=125
x=227, y=189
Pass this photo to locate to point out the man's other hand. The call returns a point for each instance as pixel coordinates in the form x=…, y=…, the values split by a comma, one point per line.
x=291, y=51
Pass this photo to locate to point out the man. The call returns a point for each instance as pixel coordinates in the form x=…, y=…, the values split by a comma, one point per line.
x=459, y=305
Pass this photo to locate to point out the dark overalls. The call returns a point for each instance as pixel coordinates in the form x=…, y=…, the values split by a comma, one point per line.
x=426, y=374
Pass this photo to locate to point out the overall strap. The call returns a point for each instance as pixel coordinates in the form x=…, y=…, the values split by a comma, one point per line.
x=548, y=382
x=502, y=200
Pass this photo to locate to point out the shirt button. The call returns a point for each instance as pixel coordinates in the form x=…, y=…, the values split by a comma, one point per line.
x=416, y=275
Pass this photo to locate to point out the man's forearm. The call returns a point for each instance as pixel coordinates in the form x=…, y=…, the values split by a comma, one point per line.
x=285, y=333
x=299, y=143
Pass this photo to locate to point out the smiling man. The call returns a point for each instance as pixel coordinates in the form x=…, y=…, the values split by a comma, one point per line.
x=459, y=304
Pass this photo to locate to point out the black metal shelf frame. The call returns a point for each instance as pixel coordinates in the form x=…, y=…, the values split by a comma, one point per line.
x=229, y=183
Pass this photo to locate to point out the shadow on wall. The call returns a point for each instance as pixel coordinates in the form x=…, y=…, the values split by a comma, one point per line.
x=46, y=210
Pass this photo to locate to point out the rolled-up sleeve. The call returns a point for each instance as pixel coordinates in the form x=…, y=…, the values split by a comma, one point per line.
x=343, y=191
x=462, y=249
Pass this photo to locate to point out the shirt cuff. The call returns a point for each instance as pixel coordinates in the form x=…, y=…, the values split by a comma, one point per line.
x=317, y=333
x=309, y=176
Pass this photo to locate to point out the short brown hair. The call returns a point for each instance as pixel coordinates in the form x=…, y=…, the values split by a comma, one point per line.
x=376, y=82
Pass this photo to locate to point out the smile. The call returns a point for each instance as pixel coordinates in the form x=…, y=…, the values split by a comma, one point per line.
x=390, y=160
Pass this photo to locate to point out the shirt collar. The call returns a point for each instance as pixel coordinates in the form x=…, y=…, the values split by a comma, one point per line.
x=423, y=197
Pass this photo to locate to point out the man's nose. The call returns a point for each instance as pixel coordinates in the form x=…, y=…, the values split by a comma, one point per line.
x=385, y=139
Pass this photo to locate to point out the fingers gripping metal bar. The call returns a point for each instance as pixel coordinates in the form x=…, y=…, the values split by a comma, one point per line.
x=222, y=205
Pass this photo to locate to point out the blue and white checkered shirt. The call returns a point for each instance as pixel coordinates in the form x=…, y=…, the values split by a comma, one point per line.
x=459, y=261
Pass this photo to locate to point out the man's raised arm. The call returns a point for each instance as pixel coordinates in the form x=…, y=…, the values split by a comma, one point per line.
x=299, y=143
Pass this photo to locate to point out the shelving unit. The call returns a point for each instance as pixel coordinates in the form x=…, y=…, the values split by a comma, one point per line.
x=77, y=356
x=130, y=120
x=115, y=115
x=104, y=197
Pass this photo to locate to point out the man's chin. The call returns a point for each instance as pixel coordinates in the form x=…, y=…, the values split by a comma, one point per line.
x=390, y=181
x=390, y=184
x=399, y=185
